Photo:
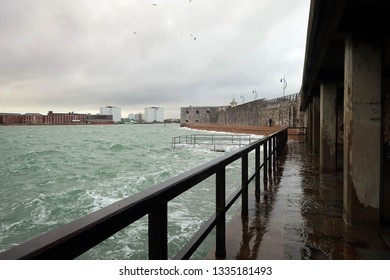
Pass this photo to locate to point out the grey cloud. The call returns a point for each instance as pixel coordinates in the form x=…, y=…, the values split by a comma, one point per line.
x=86, y=54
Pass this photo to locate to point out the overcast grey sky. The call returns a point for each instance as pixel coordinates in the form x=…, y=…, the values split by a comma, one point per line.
x=80, y=55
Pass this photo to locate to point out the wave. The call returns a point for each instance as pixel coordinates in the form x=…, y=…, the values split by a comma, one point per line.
x=38, y=154
x=117, y=147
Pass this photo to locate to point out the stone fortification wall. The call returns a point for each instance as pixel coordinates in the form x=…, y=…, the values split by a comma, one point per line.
x=244, y=114
x=283, y=111
x=202, y=115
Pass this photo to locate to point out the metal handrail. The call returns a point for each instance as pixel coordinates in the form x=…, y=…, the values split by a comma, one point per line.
x=213, y=140
x=77, y=237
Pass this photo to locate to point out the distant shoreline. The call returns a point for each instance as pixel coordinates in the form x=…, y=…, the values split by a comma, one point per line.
x=54, y=124
x=80, y=124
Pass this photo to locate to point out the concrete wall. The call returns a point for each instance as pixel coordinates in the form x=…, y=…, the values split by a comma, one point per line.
x=283, y=111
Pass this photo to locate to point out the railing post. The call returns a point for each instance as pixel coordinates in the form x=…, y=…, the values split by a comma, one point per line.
x=285, y=139
x=158, y=232
x=280, y=142
x=270, y=155
x=257, y=168
x=244, y=185
x=220, y=251
x=274, y=150
x=265, y=159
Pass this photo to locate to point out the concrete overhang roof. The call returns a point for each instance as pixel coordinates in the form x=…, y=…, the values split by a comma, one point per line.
x=329, y=23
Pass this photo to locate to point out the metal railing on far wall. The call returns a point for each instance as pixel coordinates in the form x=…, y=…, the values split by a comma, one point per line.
x=77, y=237
x=216, y=141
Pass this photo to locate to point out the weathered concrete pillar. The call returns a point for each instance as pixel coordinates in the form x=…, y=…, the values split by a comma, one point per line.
x=316, y=124
x=306, y=122
x=362, y=130
x=328, y=126
x=310, y=124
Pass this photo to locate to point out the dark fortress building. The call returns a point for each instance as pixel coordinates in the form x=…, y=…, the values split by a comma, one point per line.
x=283, y=111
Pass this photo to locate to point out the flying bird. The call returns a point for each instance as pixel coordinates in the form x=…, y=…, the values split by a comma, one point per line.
x=154, y=4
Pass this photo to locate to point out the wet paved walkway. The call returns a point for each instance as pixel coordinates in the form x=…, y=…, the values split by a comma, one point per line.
x=299, y=216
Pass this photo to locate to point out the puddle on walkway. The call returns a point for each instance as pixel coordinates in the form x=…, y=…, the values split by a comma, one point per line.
x=299, y=215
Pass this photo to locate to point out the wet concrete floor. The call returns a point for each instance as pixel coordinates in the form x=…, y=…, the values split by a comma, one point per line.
x=299, y=215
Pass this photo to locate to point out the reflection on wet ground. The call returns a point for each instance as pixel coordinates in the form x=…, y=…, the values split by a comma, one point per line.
x=298, y=215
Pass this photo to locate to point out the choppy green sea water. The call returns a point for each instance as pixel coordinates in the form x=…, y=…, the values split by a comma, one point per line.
x=52, y=175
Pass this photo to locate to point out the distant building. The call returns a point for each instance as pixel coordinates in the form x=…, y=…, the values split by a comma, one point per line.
x=54, y=119
x=136, y=117
x=64, y=118
x=10, y=118
x=33, y=118
x=131, y=117
x=154, y=114
x=99, y=119
x=111, y=110
x=139, y=117
x=36, y=118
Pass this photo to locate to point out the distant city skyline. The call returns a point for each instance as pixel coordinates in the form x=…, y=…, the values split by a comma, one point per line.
x=103, y=110
x=53, y=118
